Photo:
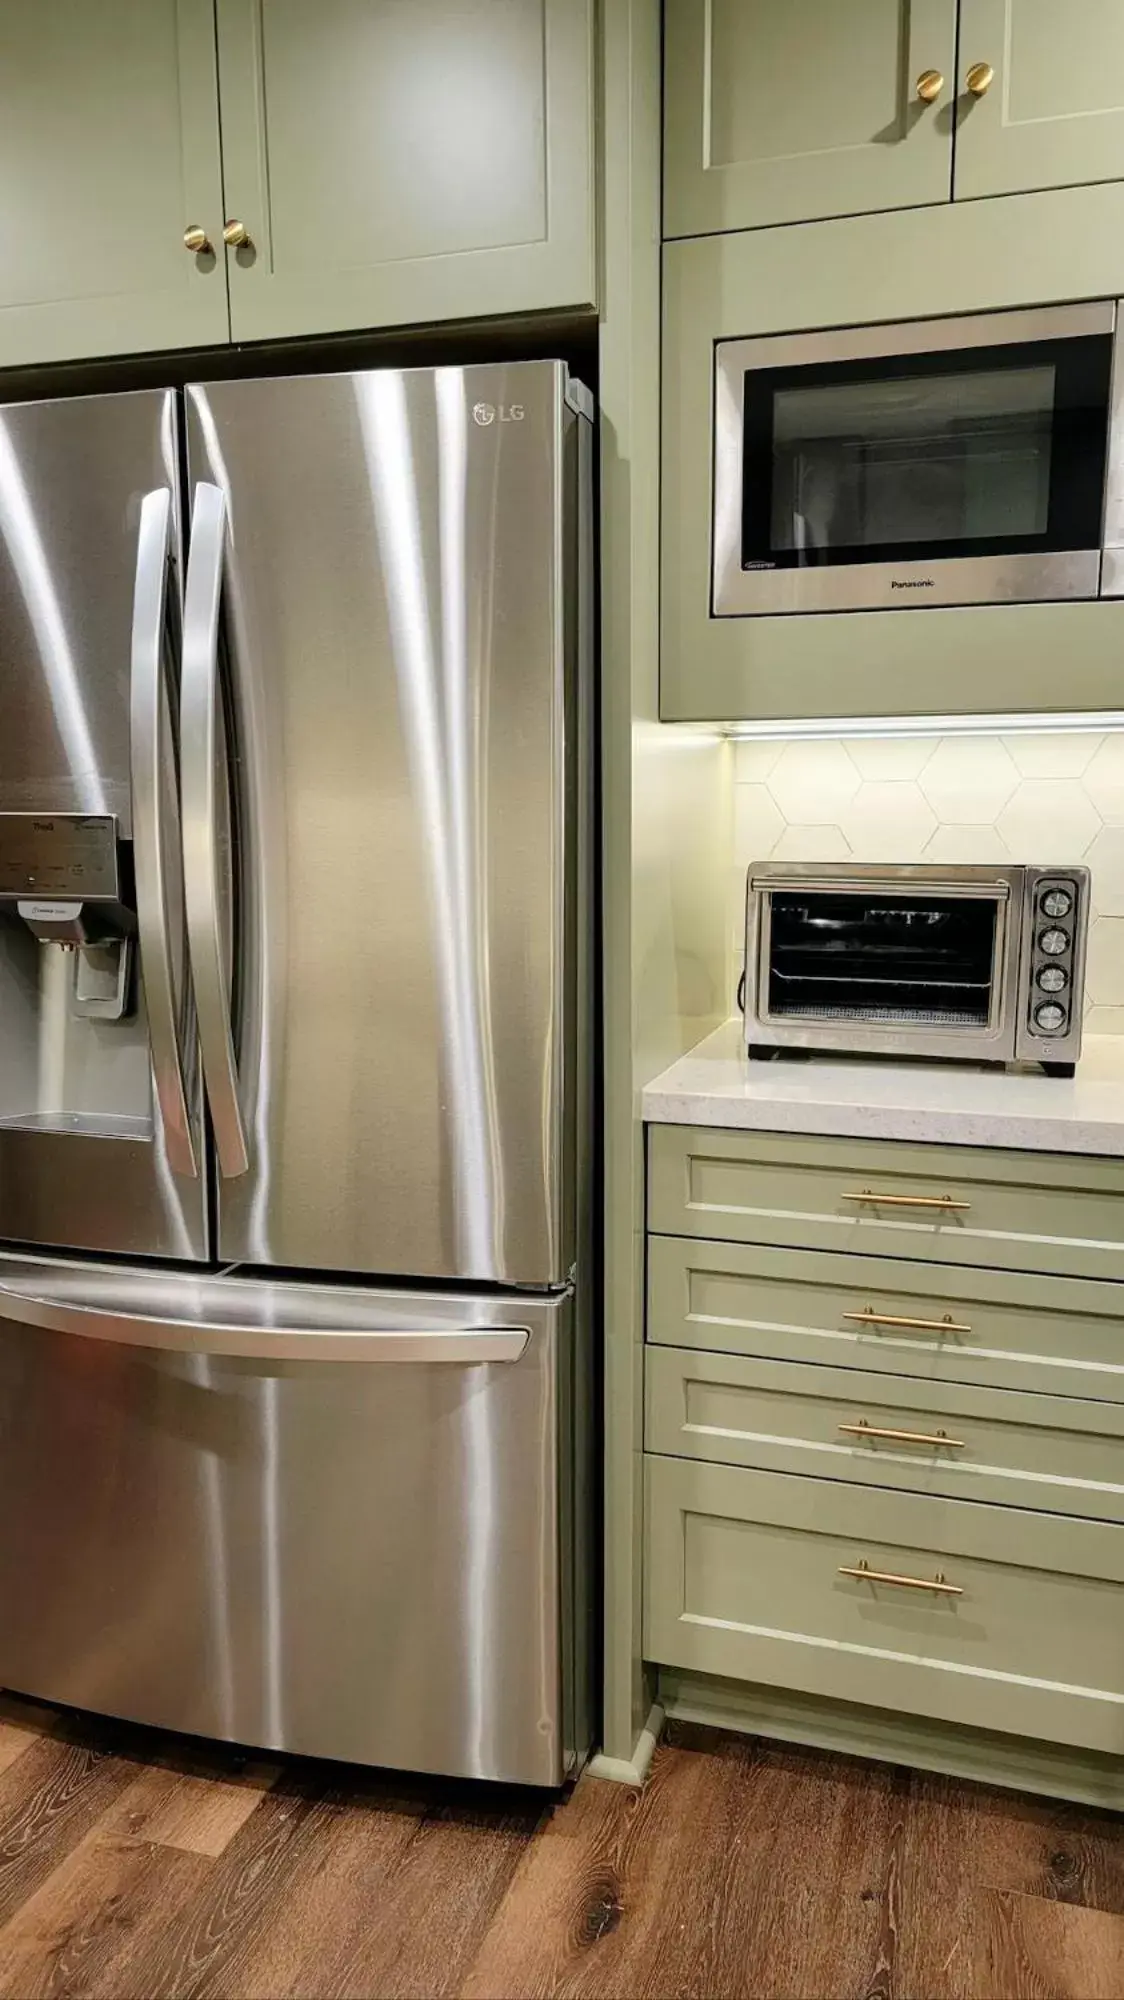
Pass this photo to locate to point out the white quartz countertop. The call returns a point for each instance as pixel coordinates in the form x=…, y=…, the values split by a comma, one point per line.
x=955, y=1104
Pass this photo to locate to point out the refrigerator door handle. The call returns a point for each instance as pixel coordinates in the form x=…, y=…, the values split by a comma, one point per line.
x=468, y=1346
x=199, y=726
x=145, y=697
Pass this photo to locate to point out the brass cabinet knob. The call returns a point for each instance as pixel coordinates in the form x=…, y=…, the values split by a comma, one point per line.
x=195, y=239
x=929, y=85
x=236, y=236
x=980, y=78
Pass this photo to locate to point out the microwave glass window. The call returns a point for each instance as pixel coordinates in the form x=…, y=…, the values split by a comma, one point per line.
x=924, y=459
x=977, y=451
x=882, y=958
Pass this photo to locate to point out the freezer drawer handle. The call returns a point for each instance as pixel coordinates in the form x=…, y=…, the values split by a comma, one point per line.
x=464, y=1346
x=199, y=726
x=149, y=839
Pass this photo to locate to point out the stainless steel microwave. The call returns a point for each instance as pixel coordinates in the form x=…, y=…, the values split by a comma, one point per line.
x=976, y=963
x=957, y=461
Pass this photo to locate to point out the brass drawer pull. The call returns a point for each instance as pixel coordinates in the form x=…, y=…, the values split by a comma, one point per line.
x=868, y=1317
x=944, y=1201
x=936, y=1583
x=864, y=1430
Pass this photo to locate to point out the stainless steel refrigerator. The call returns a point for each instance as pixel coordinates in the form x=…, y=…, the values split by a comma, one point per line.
x=296, y=969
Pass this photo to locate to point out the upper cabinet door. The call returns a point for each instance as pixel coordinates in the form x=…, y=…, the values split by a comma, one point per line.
x=784, y=110
x=109, y=151
x=1051, y=113
x=395, y=161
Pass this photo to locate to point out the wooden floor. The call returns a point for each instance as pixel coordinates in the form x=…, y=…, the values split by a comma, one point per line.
x=133, y=1864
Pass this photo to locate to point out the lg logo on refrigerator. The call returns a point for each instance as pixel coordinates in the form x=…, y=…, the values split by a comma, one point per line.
x=505, y=413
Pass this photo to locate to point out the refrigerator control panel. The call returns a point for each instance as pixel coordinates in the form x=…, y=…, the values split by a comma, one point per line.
x=59, y=855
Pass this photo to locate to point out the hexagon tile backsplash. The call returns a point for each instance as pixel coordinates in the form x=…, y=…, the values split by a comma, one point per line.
x=970, y=798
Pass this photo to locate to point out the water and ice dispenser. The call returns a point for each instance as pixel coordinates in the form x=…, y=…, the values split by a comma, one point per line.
x=73, y=1048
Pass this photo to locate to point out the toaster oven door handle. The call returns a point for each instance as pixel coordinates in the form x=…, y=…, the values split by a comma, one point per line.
x=862, y=885
x=943, y=1202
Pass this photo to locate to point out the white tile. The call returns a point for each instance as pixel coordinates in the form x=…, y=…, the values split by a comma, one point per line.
x=1104, y=1020
x=891, y=756
x=754, y=761
x=1104, y=973
x=1053, y=756
x=811, y=843
x=1106, y=859
x=812, y=782
x=1049, y=819
x=966, y=843
x=968, y=780
x=888, y=822
x=1104, y=777
x=758, y=824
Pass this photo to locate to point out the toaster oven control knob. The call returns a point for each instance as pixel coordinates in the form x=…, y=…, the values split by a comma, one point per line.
x=1049, y=1017
x=1053, y=978
x=1057, y=902
x=1054, y=942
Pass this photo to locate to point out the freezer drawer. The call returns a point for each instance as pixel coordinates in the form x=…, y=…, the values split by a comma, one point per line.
x=315, y=1519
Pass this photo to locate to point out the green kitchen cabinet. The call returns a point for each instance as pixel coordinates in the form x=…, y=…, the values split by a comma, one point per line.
x=1051, y=113
x=779, y=113
x=389, y=162
x=109, y=152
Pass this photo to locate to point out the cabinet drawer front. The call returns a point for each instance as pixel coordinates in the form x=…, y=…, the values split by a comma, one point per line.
x=745, y=1576
x=947, y=1204
x=1058, y=1336
x=1015, y=1450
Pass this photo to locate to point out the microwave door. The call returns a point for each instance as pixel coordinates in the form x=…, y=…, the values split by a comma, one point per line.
x=937, y=463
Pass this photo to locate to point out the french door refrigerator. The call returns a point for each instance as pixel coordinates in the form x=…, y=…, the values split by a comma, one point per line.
x=295, y=978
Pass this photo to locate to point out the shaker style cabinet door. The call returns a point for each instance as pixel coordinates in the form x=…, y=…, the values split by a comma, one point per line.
x=1040, y=95
x=389, y=161
x=784, y=112
x=109, y=153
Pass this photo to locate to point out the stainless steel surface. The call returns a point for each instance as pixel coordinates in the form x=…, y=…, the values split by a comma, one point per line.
x=904, y=586
x=398, y=610
x=350, y=1559
x=1112, y=572
x=174, y=1313
x=1009, y=1034
x=83, y=1158
x=200, y=764
x=900, y=585
x=148, y=726
x=73, y=475
x=917, y=336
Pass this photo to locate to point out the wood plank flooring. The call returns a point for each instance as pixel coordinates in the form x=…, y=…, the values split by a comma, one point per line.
x=136, y=1866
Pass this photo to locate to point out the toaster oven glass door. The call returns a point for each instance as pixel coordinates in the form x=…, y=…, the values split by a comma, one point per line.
x=883, y=959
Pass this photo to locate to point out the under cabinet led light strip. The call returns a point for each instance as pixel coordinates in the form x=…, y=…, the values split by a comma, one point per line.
x=1101, y=724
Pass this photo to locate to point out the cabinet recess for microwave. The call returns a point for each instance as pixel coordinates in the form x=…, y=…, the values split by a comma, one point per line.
x=932, y=462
